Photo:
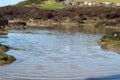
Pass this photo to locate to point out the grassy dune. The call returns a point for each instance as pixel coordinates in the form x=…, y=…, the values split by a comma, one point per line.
x=29, y=2
x=52, y=4
x=115, y=1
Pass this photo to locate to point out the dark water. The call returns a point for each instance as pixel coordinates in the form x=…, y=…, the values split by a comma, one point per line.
x=53, y=55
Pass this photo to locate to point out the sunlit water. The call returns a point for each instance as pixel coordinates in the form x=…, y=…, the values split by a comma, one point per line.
x=53, y=55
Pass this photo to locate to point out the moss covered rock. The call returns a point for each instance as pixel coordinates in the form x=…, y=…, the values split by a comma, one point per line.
x=111, y=41
x=6, y=59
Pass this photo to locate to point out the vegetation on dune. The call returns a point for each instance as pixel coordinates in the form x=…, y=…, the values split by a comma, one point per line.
x=52, y=5
x=30, y=2
x=115, y=1
x=43, y=4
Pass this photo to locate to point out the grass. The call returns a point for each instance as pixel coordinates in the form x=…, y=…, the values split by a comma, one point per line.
x=29, y=2
x=112, y=45
x=115, y=1
x=46, y=5
x=52, y=5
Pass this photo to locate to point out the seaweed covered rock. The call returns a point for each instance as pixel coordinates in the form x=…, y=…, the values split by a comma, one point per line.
x=6, y=59
x=111, y=41
x=3, y=48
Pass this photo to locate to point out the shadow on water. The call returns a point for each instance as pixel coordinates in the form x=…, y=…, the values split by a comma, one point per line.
x=111, y=77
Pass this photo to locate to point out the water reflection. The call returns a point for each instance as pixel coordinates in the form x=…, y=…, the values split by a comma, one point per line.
x=53, y=55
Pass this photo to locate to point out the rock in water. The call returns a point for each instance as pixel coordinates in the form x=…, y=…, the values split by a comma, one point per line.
x=3, y=48
x=6, y=59
x=111, y=41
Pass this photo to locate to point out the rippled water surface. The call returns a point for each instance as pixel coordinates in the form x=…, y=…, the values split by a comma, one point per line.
x=53, y=55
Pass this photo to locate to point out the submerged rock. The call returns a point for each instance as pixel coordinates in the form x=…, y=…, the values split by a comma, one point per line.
x=6, y=59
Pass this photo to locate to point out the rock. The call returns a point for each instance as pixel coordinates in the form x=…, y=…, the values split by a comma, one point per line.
x=103, y=24
x=111, y=41
x=6, y=59
x=3, y=36
x=3, y=22
x=3, y=48
x=116, y=35
x=18, y=23
x=112, y=36
x=3, y=32
x=112, y=16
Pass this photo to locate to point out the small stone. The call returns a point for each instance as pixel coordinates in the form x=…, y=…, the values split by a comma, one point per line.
x=115, y=35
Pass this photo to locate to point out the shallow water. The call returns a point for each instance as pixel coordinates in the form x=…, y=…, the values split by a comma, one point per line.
x=54, y=55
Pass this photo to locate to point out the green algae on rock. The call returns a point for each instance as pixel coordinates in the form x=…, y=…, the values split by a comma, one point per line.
x=111, y=41
x=6, y=59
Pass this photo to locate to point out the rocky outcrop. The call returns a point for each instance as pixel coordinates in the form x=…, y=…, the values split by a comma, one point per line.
x=33, y=16
x=3, y=22
x=26, y=13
